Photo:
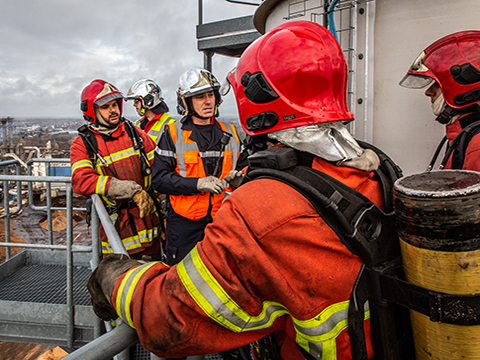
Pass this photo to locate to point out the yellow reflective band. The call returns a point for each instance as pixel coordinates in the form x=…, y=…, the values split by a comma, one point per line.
x=101, y=185
x=151, y=155
x=316, y=335
x=126, y=289
x=80, y=164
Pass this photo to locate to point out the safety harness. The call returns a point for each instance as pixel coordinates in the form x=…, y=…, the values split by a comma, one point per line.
x=371, y=234
x=91, y=144
x=470, y=127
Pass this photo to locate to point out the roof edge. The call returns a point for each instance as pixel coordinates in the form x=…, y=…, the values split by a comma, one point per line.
x=261, y=14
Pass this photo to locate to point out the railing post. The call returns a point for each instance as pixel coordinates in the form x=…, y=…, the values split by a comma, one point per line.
x=7, y=218
x=69, y=238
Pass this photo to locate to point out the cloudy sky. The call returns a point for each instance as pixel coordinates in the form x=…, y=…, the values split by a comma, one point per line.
x=51, y=49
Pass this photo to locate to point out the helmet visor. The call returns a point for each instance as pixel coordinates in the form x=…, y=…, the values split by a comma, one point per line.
x=108, y=98
x=416, y=81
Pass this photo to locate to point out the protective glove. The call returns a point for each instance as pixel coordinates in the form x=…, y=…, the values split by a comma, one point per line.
x=234, y=178
x=210, y=184
x=102, y=282
x=144, y=202
x=122, y=189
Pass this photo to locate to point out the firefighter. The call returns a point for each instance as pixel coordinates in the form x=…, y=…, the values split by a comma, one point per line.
x=192, y=158
x=268, y=262
x=105, y=162
x=450, y=70
x=150, y=105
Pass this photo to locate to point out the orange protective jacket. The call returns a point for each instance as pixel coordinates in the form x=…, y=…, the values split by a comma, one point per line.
x=189, y=164
x=88, y=179
x=268, y=263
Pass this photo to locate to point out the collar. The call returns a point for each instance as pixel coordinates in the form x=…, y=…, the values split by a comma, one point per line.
x=453, y=129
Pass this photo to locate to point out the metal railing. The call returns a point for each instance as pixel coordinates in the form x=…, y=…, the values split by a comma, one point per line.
x=69, y=248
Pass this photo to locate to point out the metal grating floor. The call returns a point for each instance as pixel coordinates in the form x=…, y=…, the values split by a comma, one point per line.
x=45, y=284
x=140, y=353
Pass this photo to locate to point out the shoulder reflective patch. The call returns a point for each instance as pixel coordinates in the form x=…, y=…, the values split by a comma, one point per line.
x=126, y=289
x=316, y=335
x=166, y=153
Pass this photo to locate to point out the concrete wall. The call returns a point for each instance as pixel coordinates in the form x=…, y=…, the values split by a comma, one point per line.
x=404, y=125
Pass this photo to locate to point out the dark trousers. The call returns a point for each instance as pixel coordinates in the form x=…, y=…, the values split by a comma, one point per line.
x=182, y=235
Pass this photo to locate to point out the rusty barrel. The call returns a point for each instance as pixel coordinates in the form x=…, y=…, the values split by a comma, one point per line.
x=438, y=219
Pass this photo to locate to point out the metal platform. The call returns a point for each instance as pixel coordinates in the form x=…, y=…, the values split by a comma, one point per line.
x=33, y=300
x=227, y=37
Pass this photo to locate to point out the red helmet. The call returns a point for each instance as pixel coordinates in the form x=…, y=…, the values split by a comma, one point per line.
x=454, y=63
x=98, y=93
x=294, y=75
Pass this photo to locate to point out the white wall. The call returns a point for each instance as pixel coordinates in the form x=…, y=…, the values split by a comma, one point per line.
x=404, y=125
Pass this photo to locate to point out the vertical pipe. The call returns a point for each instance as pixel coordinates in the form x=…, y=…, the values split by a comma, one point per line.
x=6, y=219
x=207, y=60
x=200, y=12
x=30, y=185
x=326, y=5
x=71, y=313
x=48, y=187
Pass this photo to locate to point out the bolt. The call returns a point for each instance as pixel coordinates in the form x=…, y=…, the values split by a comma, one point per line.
x=362, y=10
x=360, y=56
x=360, y=100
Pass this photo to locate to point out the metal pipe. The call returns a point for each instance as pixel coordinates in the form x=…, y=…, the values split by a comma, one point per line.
x=76, y=248
x=200, y=12
x=7, y=218
x=48, y=193
x=112, y=235
x=69, y=237
x=242, y=2
x=107, y=345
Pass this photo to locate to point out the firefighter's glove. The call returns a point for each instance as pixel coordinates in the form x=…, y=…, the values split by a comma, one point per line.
x=144, y=202
x=102, y=282
x=210, y=184
x=122, y=189
x=234, y=178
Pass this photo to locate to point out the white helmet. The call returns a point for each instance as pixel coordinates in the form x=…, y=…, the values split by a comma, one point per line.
x=196, y=81
x=147, y=91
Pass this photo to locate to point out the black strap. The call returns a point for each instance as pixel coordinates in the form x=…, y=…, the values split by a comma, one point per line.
x=90, y=142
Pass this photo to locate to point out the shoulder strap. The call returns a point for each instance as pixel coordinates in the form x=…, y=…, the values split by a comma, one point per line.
x=458, y=157
x=137, y=141
x=90, y=142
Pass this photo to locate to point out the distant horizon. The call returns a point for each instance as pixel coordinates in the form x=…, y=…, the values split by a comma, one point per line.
x=79, y=117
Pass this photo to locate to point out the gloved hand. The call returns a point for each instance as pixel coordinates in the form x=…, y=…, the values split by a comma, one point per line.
x=102, y=282
x=234, y=178
x=122, y=189
x=210, y=184
x=144, y=202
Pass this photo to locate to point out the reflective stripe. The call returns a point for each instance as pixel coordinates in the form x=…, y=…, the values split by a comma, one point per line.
x=135, y=241
x=164, y=152
x=317, y=335
x=206, y=154
x=126, y=289
x=101, y=185
x=80, y=164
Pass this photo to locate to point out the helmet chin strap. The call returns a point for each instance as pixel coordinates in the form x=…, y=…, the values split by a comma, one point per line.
x=446, y=115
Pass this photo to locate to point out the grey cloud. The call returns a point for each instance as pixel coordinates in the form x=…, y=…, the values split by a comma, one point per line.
x=51, y=49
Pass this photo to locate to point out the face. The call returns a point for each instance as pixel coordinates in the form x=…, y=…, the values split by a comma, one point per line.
x=137, y=104
x=110, y=112
x=204, y=104
x=433, y=92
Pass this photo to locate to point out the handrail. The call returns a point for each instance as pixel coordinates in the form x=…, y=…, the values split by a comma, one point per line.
x=122, y=336
x=69, y=236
